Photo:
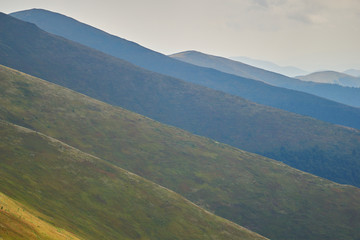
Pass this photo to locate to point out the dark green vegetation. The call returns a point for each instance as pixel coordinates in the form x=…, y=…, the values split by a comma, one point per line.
x=256, y=91
x=332, y=77
x=261, y=194
x=341, y=94
x=96, y=200
x=307, y=144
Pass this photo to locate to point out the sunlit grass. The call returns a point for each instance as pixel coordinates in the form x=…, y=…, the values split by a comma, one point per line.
x=17, y=222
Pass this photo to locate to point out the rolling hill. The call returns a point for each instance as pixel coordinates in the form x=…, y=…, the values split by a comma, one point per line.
x=333, y=78
x=341, y=94
x=302, y=142
x=256, y=91
x=263, y=195
x=94, y=199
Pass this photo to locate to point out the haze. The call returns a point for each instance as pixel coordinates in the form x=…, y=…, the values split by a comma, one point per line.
x=313, y=35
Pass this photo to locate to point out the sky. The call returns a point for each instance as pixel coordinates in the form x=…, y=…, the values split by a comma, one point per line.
x=309, y=34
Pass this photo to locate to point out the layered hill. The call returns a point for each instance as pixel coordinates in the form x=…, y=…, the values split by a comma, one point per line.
x=305, y=143
x=332, y=77
x=94, y=199
x=261, y=194
x=256, y=91
x=341, y=94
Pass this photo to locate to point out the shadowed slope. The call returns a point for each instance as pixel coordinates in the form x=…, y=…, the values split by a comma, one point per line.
x=261, y=194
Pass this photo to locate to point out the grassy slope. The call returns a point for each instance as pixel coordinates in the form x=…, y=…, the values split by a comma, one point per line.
x=95, y=199
x=20, y=222
x=264, y=195
x=313, y=146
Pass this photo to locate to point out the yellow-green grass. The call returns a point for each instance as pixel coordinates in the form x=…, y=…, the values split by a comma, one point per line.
x=261, y=194
x=17, y=222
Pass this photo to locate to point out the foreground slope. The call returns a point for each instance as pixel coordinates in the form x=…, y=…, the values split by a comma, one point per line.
x=261, y=194
x=314, y=146
x=18, y=222
x=95, y=199
x=341, y=94
x=252, y=90
x=332, y=77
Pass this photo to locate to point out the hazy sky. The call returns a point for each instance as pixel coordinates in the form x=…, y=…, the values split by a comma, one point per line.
x=310, y=34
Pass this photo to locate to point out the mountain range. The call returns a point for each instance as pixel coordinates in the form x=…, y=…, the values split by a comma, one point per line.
x=95, y=199
x=314, y=146
x=341, y=94
x=332, y=77
x=256, y=91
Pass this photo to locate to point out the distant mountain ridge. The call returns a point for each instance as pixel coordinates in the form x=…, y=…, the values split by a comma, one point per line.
x=299, y=141
x=333, y=78
x=345, y=95
x=252, y=90
x=289, y=71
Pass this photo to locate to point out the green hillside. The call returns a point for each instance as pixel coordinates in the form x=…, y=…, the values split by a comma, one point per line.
x=96, y=200
x=261, y=194
x=304, y=143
